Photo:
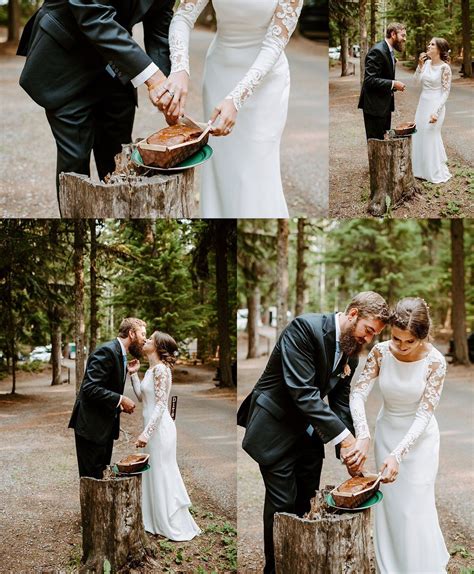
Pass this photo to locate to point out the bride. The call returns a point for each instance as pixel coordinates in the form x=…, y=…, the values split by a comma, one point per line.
x=165, y=502
x=246, y=84
x=411, y=373
x=434, y=73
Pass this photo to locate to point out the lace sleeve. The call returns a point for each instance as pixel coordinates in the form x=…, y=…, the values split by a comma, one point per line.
x=426, y=408
x=278, y=34
x=180, y=29
x=161, y=399
x=136, y=386
x=361, y=390
x=445, y=87
x=418, y=74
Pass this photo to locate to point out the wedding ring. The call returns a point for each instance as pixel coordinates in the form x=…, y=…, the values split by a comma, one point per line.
x=170, y=92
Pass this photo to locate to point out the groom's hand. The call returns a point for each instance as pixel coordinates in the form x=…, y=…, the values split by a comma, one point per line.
x=127, y=405
x=346, y=446
x=398, y=86
x=155, y=87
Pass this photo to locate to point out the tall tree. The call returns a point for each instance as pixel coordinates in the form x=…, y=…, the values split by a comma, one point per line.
x=373, y=22
x=79, y=324
x=282, y=274
x=362, y=37
x=458, y=292
x=13, y=21
x=94, y=303
x=300, y=268
x=466, y=38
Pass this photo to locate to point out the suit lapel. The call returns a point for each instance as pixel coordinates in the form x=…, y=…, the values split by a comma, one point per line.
x=388, y=55
x=329, y=334
x=118, y=352
x=335, y=377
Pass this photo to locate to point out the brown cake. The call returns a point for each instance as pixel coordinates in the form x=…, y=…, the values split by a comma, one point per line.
x=174, y=135
x=355, y=484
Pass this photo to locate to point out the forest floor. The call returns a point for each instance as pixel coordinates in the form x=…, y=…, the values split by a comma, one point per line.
x=455, y=501
x=40, y=525
x=349, y=183
x=28, y=152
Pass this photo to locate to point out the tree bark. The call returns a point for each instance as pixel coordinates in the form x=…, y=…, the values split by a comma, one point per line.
x=362, y=37
x=79, y=328
x=322, y=542
x=300, y=268
x=56, y=349
x=225, y=353
x=94, y=305
x=466, y=38
x=458, y=295
x=391, y=174
x=344, y=39
x=13, y=21
x=253, y=306
x=282, y=274
x=373, y=22
x=112, y=524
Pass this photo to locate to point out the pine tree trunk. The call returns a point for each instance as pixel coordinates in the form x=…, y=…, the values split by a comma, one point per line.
x=253, y=305
x=112, y=524
x=13, y=21
x=466, y=38
x=373, y=22
x=94, y=305
x=79, y=328
x=323, y=543
x=362, y=37
x=391, y=174
x=300, y=268
x=344, y=47
x=225, y=354
x=56, y=350
x=458, y=292
x=282, y=274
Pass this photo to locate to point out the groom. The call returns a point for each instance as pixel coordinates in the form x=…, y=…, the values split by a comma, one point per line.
x=377, y=94
x=83, y=67
x=288, y=422
x=96, y=414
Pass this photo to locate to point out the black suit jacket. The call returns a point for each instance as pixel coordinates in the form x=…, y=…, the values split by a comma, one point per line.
x=96, y=415
x=68, y=44
x=376, y=97
x=289, y=395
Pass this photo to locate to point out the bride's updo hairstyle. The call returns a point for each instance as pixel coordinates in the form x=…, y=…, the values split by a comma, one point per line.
x=443, y=48
x=412, y=314
x=166, y=348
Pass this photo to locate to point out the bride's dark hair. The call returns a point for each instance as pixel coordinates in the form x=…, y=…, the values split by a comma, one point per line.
x=166, y=348
x=443, y=48
x=412, y=314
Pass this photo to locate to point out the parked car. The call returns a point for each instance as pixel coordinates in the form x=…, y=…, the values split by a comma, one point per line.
x=335, y=53
x=314, y=20
x=40, y=354
x=356, y=51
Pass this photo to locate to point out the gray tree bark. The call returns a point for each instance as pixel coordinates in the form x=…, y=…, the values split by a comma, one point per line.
x=458, y=293
x=282, y=274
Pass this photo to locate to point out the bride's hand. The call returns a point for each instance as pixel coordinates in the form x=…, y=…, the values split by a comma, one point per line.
x=141, y=441
x=389, y=469
x=225, y=114
x=177, y=84
x=433, y=119
x=357, y=455
x=133, y=366
x=422, y=59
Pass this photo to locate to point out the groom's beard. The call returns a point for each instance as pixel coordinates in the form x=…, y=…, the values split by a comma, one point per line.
x=350, y=345
x=399, y=45
x=135, y=349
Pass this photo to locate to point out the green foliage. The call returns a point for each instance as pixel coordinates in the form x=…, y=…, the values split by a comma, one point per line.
x=33, y=367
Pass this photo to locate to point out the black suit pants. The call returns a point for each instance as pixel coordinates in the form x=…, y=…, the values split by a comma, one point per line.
x=290, y=484
x=100, y=120
x=92, y=458
x=375, y=127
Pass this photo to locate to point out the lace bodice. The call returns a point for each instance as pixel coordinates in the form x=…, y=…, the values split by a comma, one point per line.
x=162, y=380
x=279, y=30
x=434, y=370
x=435, y=78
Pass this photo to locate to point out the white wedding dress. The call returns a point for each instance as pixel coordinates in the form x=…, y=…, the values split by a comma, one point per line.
x=428, y=154
x=165, y=502
x=408, y=539
x=247, y=64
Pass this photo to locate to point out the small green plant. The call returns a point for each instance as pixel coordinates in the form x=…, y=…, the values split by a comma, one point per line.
x=452, y=209
x=107, y=567
x=462, y=551
x=33, y=367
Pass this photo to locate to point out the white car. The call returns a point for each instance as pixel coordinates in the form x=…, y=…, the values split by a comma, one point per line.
x=42, y=354
x=335, y=53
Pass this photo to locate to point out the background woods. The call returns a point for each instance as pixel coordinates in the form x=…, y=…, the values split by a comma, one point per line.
x=65, y=282
x=317, y=265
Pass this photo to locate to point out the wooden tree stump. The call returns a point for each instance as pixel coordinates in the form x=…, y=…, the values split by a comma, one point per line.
x=391, y=174
x=112, y=525
x=324, y=541
x=128, y=193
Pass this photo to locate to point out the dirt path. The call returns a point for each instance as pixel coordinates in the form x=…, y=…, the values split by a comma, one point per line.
x=39, y=494
x=455, y=501
x=349, y=172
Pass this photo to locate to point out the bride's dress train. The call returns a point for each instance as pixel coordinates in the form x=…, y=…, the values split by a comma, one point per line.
x=428, y=154
x=407, y=538
x=165, y=502
x=246, y=63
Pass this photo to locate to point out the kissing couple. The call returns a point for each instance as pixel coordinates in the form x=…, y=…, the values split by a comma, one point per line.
x=96, y=423
x=288, y=422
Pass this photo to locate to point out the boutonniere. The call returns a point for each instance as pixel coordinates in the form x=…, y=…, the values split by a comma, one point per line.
x=346, y=371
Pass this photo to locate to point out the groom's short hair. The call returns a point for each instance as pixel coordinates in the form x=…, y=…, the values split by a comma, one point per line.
x=130, y=324
x=370, y=305
x=394, y=27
